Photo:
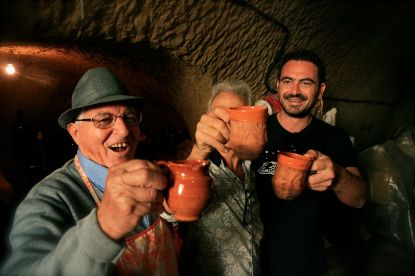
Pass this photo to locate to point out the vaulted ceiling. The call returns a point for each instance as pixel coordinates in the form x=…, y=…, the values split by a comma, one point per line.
x=171, y=52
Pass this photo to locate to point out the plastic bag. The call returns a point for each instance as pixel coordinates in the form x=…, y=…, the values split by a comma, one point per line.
x=391, y=176
x=330, y=116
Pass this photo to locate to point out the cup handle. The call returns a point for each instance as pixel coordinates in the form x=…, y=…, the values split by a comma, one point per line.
x=162, y=163
x=167, y=207
x=164, y=166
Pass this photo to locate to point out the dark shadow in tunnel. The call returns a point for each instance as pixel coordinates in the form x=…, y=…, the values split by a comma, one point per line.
x=145, y=71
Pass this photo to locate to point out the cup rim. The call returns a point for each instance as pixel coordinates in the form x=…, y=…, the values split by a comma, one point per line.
x=294, y=160
x=252, y=113
x=185, y=162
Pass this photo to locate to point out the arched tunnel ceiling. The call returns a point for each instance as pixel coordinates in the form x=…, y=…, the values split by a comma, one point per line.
x=174, y=50
x=47, y=73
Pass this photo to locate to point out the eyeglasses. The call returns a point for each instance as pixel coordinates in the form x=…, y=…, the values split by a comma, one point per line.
x=107, y=120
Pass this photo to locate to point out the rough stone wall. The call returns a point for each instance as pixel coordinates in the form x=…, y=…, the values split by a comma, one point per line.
x=363, y=44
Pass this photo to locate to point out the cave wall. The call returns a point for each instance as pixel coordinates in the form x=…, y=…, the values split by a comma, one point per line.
x=365, y=46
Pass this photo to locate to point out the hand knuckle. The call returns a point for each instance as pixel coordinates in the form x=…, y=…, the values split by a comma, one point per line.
x=152, y=194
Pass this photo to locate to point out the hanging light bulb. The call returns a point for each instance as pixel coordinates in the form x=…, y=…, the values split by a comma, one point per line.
x=10, y=70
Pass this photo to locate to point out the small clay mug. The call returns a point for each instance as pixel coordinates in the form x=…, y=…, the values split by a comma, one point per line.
x=248, y=131
x=290, y=175
x=189, y=188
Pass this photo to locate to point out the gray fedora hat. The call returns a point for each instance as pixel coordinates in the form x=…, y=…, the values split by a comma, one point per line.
x=97, y=86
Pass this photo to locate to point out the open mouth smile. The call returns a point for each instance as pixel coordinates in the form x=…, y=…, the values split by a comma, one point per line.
x=119, y=147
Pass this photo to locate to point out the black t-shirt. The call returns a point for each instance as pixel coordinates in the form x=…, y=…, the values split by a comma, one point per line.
x=293, y=242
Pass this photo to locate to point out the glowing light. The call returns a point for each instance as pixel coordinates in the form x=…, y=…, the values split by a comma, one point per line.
x=10, y=70
x=180, y=190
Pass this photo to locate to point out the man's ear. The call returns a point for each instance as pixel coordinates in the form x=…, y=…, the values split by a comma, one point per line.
x=322, y=89
x=73, y=130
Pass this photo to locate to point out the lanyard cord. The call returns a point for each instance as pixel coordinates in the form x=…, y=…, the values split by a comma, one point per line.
x=86, y=180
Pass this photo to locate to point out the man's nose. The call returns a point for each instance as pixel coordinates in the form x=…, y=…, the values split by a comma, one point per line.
x=295, y=88
x=120, y=126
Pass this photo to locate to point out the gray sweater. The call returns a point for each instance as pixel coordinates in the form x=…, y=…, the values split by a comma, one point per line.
x=55, y=231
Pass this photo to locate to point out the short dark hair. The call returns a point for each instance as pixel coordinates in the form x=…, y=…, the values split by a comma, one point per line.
x=305, y=55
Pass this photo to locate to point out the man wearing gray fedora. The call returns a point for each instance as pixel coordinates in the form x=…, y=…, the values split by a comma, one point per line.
x=99, y=213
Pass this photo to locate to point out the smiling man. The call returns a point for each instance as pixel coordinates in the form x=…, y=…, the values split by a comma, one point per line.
x=99, y=213
x=293, y=241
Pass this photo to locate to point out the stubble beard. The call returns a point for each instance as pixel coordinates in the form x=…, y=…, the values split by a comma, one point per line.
x=300, y=111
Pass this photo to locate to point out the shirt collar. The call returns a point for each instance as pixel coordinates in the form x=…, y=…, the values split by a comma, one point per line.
x=96, y=173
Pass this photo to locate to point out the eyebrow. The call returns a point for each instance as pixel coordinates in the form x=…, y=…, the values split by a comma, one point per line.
x=300, y=80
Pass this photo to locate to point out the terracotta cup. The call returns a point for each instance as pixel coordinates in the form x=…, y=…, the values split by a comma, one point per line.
x=290, y=175
x=190, y=188
x=248, y=131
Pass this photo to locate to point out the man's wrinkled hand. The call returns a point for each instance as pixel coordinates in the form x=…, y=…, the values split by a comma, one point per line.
x=133, y=189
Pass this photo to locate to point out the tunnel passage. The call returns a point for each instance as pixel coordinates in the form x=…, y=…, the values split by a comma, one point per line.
x=41, y=89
